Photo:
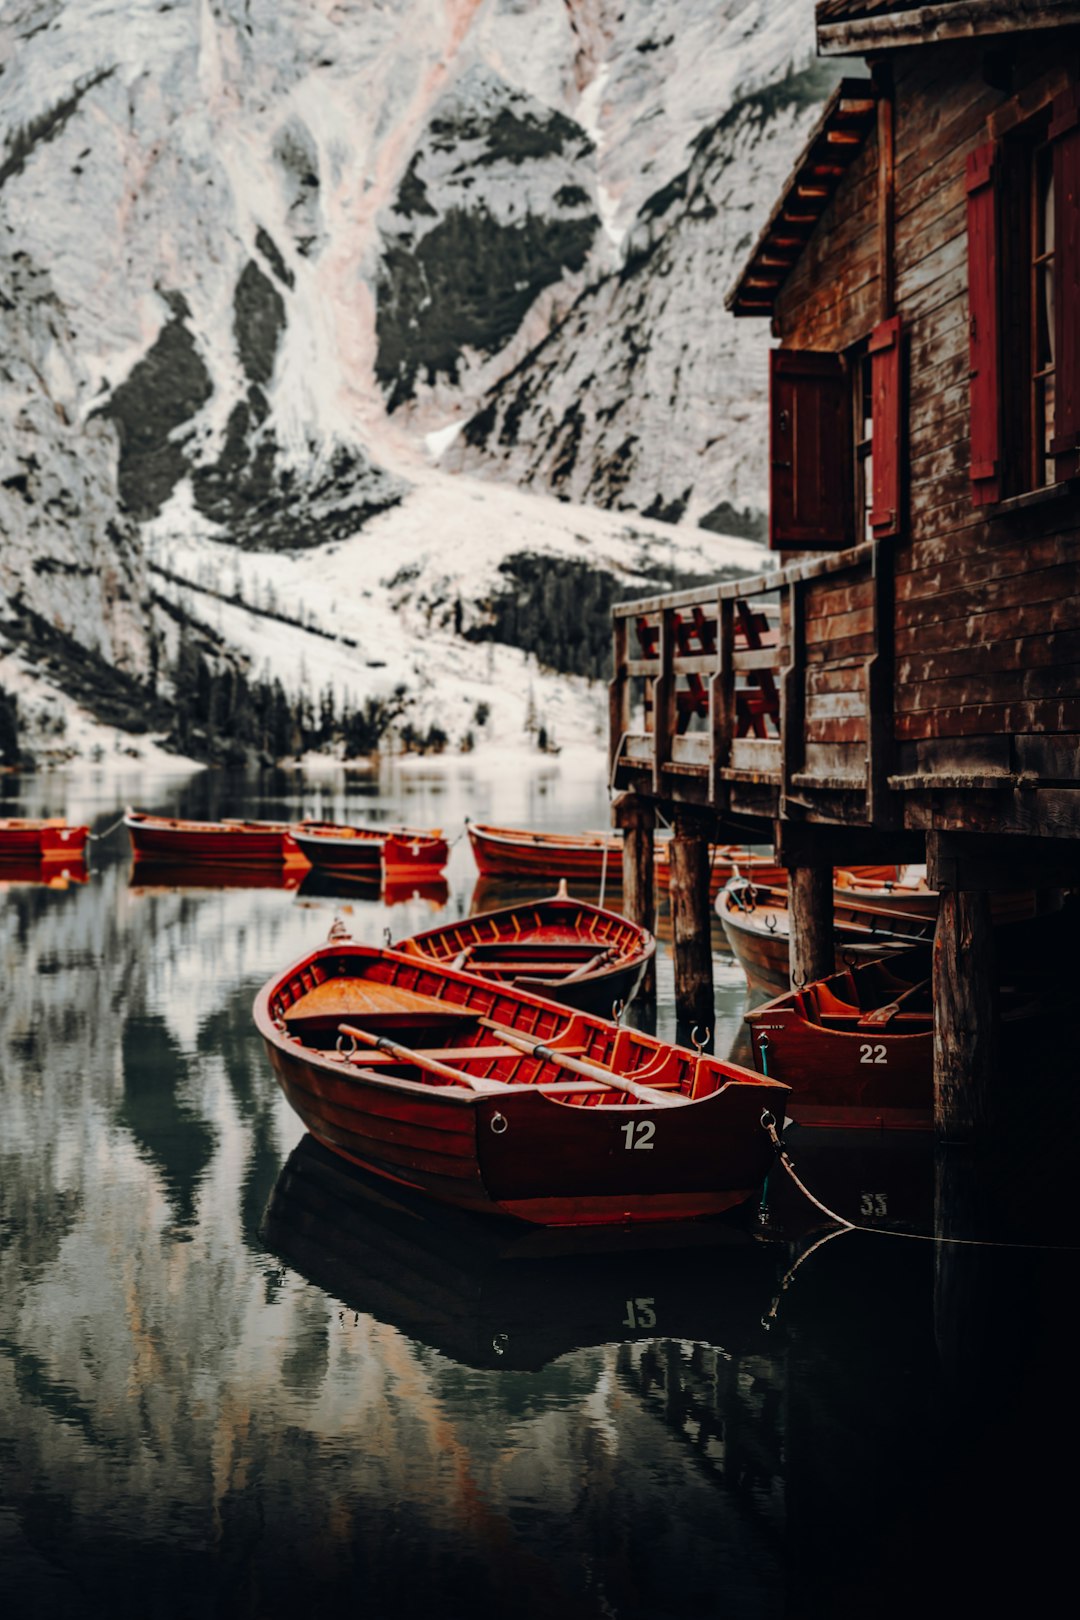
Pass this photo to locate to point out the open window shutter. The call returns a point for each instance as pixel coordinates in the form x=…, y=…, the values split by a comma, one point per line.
x=885, y=350
x=810, y=487
x=984, y=318
x=1065, y=136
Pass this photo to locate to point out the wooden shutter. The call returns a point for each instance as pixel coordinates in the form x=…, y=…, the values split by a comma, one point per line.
x=885, y=350
x=984, y=321
x=810, y=445
x=1065, y=136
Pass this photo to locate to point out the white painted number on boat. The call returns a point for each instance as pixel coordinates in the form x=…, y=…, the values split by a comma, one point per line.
x=873, y=1054
x=874, y=1204
x=639, y=1314
x=639, y=1133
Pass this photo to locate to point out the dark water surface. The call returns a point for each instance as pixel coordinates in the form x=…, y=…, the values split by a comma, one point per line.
x=237, y=1379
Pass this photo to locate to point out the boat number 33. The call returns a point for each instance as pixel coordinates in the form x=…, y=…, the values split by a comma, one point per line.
x=639, y=1133
x=869, y=1053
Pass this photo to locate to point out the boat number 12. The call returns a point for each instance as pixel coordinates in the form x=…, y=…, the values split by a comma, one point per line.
x=639, y=1133
x=873, y=1054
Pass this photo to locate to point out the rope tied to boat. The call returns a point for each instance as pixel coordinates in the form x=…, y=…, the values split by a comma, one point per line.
x=768, y=1123
x=99, y=837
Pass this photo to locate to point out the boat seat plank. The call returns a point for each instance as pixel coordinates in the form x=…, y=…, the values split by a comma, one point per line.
x=361, y=996
x=452, y=1054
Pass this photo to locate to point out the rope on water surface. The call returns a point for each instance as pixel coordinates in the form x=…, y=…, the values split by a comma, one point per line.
x=768, y=1122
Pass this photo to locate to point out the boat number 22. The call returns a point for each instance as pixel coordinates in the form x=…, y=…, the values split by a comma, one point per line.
x=873, y=1054
x=639, y=1133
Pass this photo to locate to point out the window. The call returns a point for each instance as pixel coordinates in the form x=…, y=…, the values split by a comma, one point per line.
x=835, y=444
x=1023, y=280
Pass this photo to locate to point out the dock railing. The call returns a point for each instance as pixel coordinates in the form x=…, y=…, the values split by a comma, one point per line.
x=771, y=682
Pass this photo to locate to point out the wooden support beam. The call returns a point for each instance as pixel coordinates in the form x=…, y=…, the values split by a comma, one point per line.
x=691, y=915
x=811, y=954
x=722, y=700
x=807, y=843
x=637, y=818
x=965, y=1007
x=985, y=861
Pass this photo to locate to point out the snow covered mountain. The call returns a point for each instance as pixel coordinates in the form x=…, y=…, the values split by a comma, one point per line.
x=260, y=258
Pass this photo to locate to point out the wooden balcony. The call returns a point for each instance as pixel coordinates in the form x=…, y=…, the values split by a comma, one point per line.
x=760, y=697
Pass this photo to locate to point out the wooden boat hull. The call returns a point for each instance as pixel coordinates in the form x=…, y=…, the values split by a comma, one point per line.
x=488, y=1293
x=371, y=851
x=531, y=1147
x=232, y=844
x=845, y=1068
x=521, y=853
x=41, y=840
x=546, y=947
x=756, y=931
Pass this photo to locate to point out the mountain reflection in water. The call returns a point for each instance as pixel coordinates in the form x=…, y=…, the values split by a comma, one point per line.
x=239, y=1377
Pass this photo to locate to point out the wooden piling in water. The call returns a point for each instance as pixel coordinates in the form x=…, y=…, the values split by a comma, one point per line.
x=965, y=1007
x=811, y=953
x=637, y=818
x=691, y=918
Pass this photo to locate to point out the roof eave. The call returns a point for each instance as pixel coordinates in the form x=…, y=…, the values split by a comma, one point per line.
x=930, y=25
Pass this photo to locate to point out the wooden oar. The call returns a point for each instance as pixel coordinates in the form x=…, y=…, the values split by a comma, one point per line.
x=591, y=1071
x=420, y=1060
x=885, y=1014
x=591, y=965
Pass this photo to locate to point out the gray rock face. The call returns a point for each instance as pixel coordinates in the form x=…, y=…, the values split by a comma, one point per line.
x=490, y=211
x=648, y=394
x=250, y=252
x=70, y=560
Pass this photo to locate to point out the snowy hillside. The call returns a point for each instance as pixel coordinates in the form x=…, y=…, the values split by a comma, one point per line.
x=257, y=255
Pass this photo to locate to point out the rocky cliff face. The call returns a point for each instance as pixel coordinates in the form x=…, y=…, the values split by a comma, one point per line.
x=252, y=251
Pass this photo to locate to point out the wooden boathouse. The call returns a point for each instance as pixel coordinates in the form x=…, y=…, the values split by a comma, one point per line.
x=904, y=683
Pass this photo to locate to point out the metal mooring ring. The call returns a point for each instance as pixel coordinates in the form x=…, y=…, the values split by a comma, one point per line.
x=770, y=921
x=498, y=1123
x=767, y=1120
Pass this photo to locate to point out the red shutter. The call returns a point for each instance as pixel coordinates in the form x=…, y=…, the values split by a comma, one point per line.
x=885, y=387
x=1065, y=135
x=983, y=325
x=810, y=487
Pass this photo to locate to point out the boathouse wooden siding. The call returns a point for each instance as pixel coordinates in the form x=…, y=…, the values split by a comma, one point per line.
x=929, y=677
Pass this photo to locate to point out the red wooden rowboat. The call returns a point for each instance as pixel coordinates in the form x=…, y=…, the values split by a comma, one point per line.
x=223, y=843
x=371, y=851
x=856, y=1048
x=909, y=892
x=755, y=923
x=572, y=952
x=51, y=839
x=523, y=852
x=494, y=1100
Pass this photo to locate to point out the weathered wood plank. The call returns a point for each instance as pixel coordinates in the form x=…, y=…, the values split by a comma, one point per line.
x=993, y=719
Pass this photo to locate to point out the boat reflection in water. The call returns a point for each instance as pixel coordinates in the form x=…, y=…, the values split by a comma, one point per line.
x=156, y=877
x=391, y=891
x=494, y=1294
x=50, y=874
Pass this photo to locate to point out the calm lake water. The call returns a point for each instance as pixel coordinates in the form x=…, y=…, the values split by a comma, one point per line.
x=236, y=1379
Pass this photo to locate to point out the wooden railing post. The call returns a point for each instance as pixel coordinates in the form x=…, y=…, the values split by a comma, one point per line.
x=722, y=698
x=663, y=702
x=793, y=693
x=618, y=697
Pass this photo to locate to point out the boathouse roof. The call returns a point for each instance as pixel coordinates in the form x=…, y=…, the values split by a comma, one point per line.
x=835, y=140
x=847, y=26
